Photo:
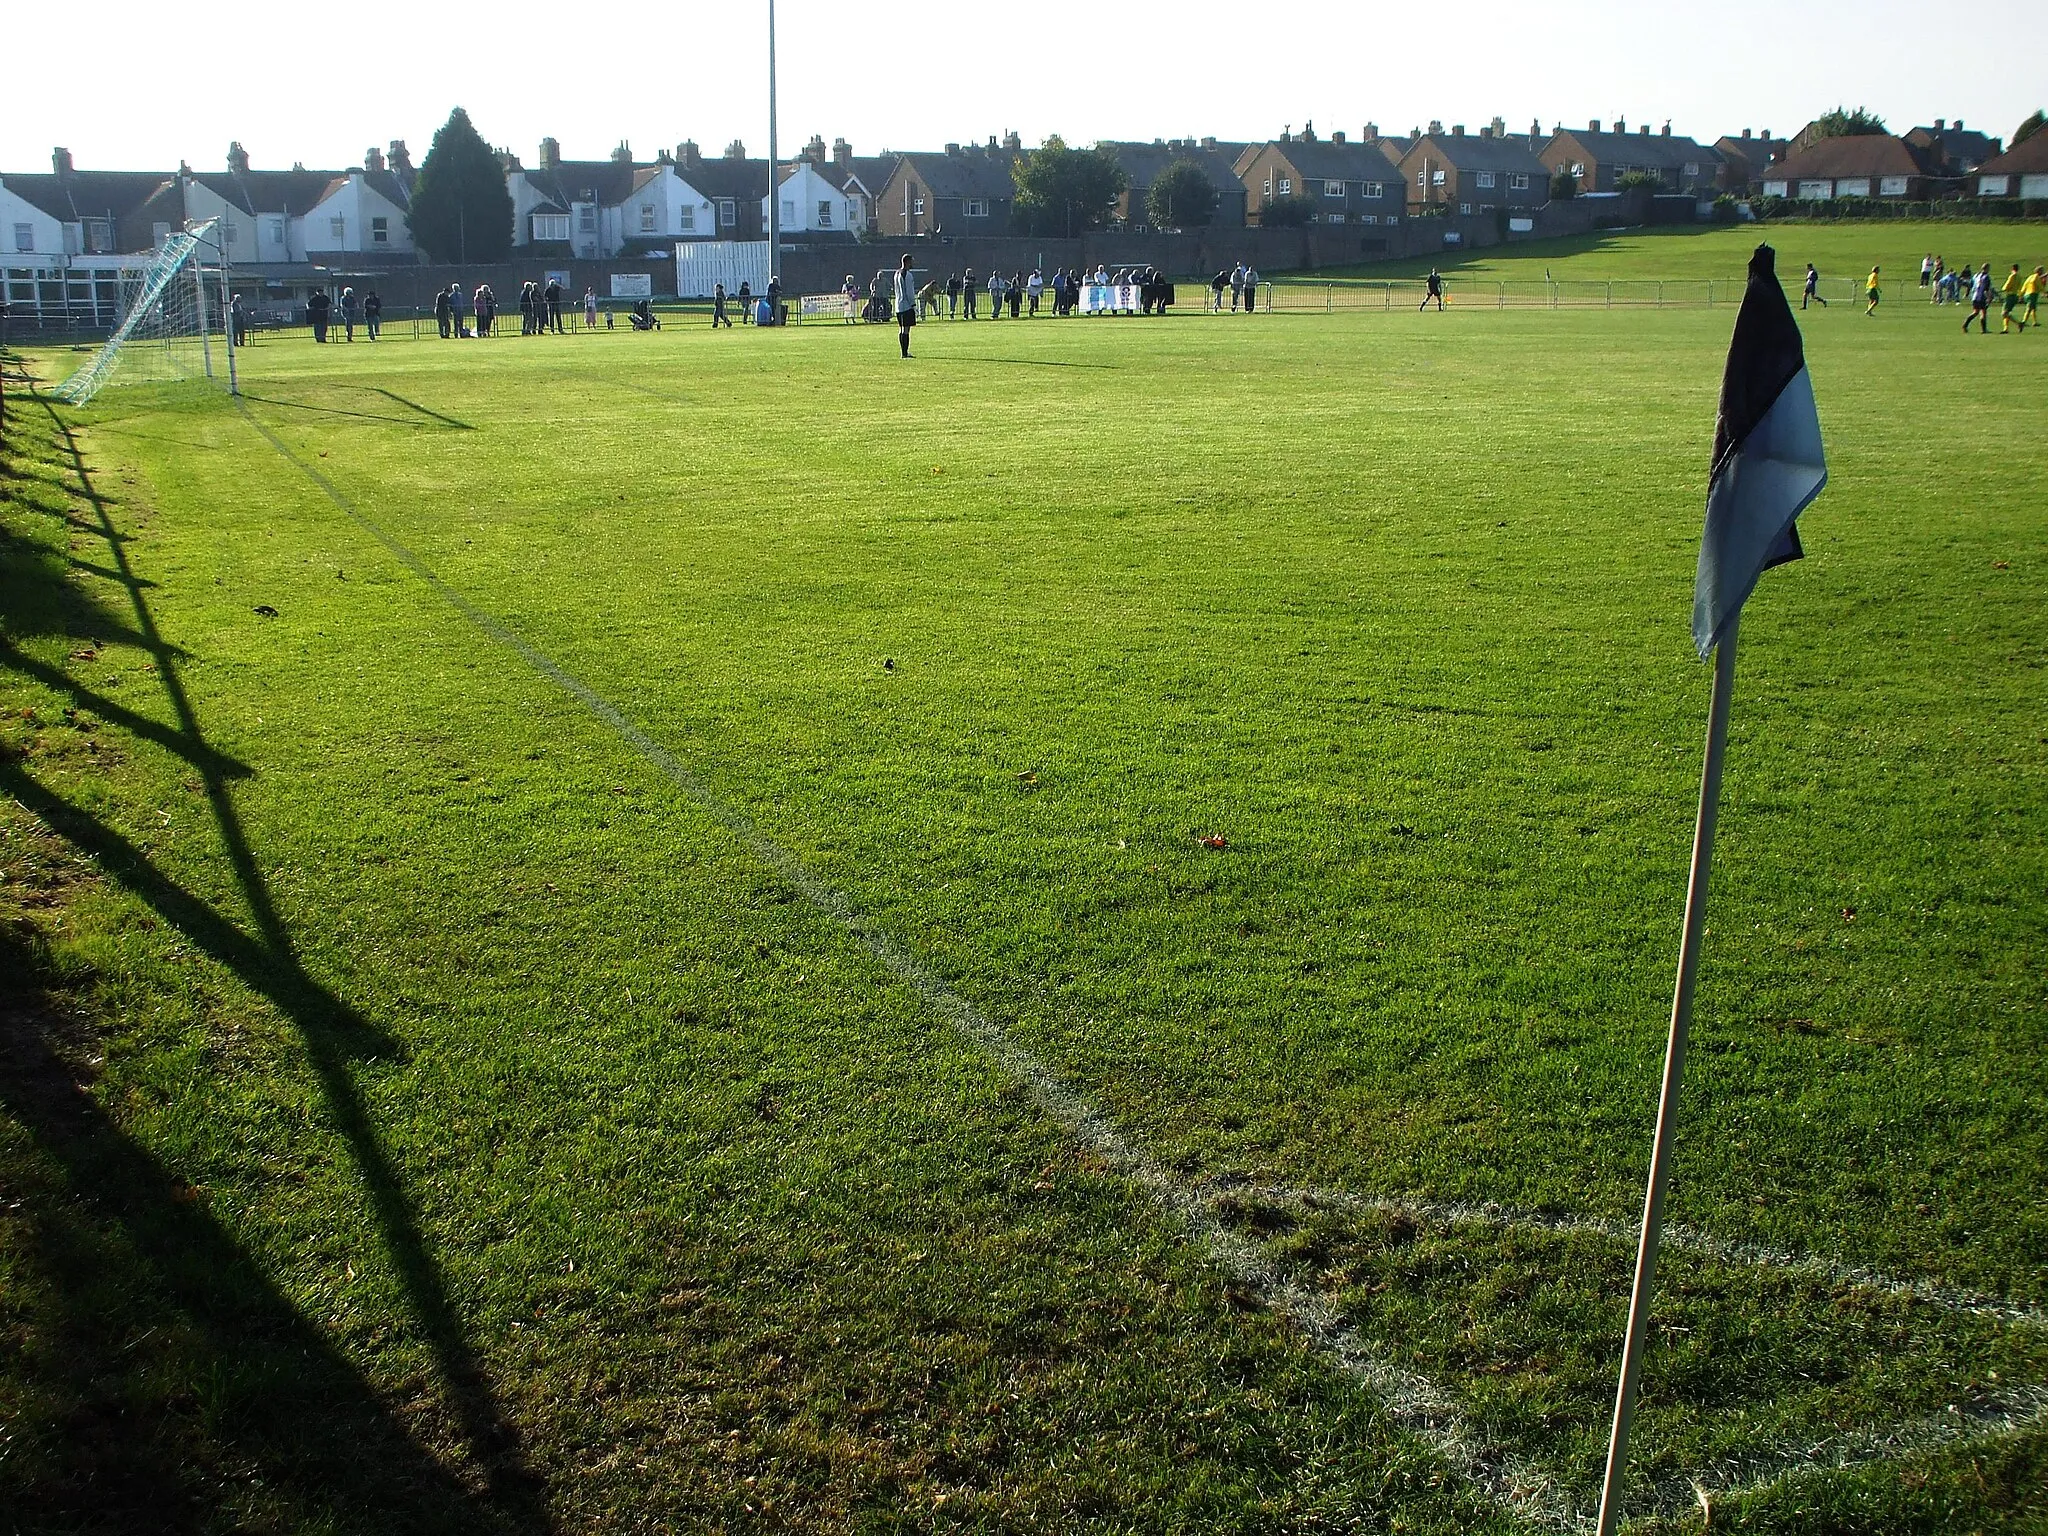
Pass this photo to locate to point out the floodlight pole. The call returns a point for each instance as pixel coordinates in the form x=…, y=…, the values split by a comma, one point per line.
x=774, y=165
x=1674, y=1073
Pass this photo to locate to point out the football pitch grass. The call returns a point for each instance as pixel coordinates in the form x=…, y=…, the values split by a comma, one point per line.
x=616, y=933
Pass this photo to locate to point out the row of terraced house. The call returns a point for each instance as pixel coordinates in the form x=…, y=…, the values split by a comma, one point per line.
x=69, y=227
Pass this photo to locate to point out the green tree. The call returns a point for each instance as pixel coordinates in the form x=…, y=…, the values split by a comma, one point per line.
x=460, y=208
x=1182, y=197
x=1062, y=191
x=1847, y=122
x=2029, y=128
x=1286, y=212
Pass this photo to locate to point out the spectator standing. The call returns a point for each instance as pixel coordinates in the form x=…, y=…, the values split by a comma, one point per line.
x=1013, y=290
x=373, y=314
x=348, y=312
x=746, y=298
x=1034, y=287
x=906, y=303
x=316, y=311
x=969, y=294
x=1236, y=286
x=1433, y=289
x=485, y=303
x=442, y=312
x=590, y=308
x=952, y=295
x=718, y=315
x=1251, y=288
x=555, y=306
x=1217, y=284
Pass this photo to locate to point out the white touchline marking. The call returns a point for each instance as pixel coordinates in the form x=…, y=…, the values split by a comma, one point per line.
x=1413, y=1402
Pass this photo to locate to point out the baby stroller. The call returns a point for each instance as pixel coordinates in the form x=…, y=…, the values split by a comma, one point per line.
x=643, y=317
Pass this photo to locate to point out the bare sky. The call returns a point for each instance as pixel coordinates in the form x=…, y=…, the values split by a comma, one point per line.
x=128, y=90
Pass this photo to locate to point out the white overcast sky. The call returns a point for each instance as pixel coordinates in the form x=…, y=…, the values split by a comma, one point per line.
x=131, y=86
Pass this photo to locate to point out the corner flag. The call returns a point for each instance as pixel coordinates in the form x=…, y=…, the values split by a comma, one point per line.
x=1767, y=467
x=1767, y=456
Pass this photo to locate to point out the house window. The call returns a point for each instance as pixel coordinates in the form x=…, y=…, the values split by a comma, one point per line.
x=1422, y=178
x=1393, y=218
x=1987, y=186
x=228, y=232
x=1266, y=187
x=974, y=208
x=1333, y=218
x=277, y=231
x=825, y=214
x=1692, y=167
x=551, y=226
x=1518, y=181
x=1436, y=178
x=647, y=218
x=789, y=210
x=1464, y=207
x=338, y=228
x=380, y=231
x=1333, y=189
x=917, y=207
x=1486, y=178
x=1856, y=187
x=99, y=235
x=1286, y=186
x=586, y=218
x=24, y=237
x=1892, y=186
x=686, y=216
x=728, y=212
x=1372, y=189
x=1368, y=218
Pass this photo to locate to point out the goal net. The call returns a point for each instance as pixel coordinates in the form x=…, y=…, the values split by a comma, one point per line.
x=171, y=322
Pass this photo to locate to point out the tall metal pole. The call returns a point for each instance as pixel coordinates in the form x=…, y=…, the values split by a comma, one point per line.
x=1674, y=1073
x=774, y=165
x=227, y=312
x=199, y=292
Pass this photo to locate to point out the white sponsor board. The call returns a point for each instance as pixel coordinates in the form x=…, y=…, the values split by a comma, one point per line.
x=1109, y=299
x=703, y=264
x=632, y=285
x=828, y=306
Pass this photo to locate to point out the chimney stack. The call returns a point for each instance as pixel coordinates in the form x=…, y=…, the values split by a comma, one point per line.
x=815, y=150
x=399, y=158
x=238, y=158
x=1745, y=133
x=1593, y=126
x=687, y=153
x=1959, y=125
x=1209, y=141
x=953, y=149
x=1500, y=127
x=1620, y=125
x=623, y=154
x=1372, y=133
x=1014, y=142
x=1337, y=137
x=373, y=158
x=1457, y=130
x=60, y=161
x=842, y=152
x=550, y=154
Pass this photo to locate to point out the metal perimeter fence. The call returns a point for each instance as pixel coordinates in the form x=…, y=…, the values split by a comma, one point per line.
x=1464, y=291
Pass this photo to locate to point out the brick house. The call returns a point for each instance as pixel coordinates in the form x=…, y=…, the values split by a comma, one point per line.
x=1348, y=183
x=1951, y=149
x=1744, y=158
x=1599, y=159
x=1474, y=173
x=962, y=192
x=2021, y=171
x=1143, y=164
x=1855, y=165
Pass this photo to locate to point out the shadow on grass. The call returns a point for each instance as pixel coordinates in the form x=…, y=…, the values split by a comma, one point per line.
x=168, y=1365
x=431, y=416
x=1023, y=362
x=333, y=1032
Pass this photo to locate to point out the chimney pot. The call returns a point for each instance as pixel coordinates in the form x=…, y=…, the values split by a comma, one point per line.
x=60, y=161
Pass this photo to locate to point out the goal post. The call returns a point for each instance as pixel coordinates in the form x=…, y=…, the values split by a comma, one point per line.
x=168, y=323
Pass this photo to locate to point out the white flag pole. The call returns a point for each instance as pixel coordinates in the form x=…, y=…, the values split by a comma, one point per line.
x=1674, y=1073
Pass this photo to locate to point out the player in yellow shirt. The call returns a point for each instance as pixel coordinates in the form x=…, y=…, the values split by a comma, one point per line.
x=2030, y=293
x=1871, y=291
x=2010, y=288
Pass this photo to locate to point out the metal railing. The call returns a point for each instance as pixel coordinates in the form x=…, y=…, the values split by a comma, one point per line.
x=1463, y=291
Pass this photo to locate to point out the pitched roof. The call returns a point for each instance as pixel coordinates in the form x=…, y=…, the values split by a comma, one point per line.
x=87, y=194
x=1962, y=148
x=2029, y=156
x=1510, y=152
x=608, y=182
x=269, y=191
x=1393, y=145
x=722, y=177
x=1651, y=151
x=971, y=173
x=1322, y=160
x=1858, y=154
x=1143, y=164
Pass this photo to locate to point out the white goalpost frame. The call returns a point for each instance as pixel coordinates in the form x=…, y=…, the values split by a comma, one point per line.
x=159, y=317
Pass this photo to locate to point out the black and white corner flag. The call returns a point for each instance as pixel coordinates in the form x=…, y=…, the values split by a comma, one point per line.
x=1767, y=456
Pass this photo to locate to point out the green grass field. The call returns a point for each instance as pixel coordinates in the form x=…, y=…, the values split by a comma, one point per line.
x=614, y=934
